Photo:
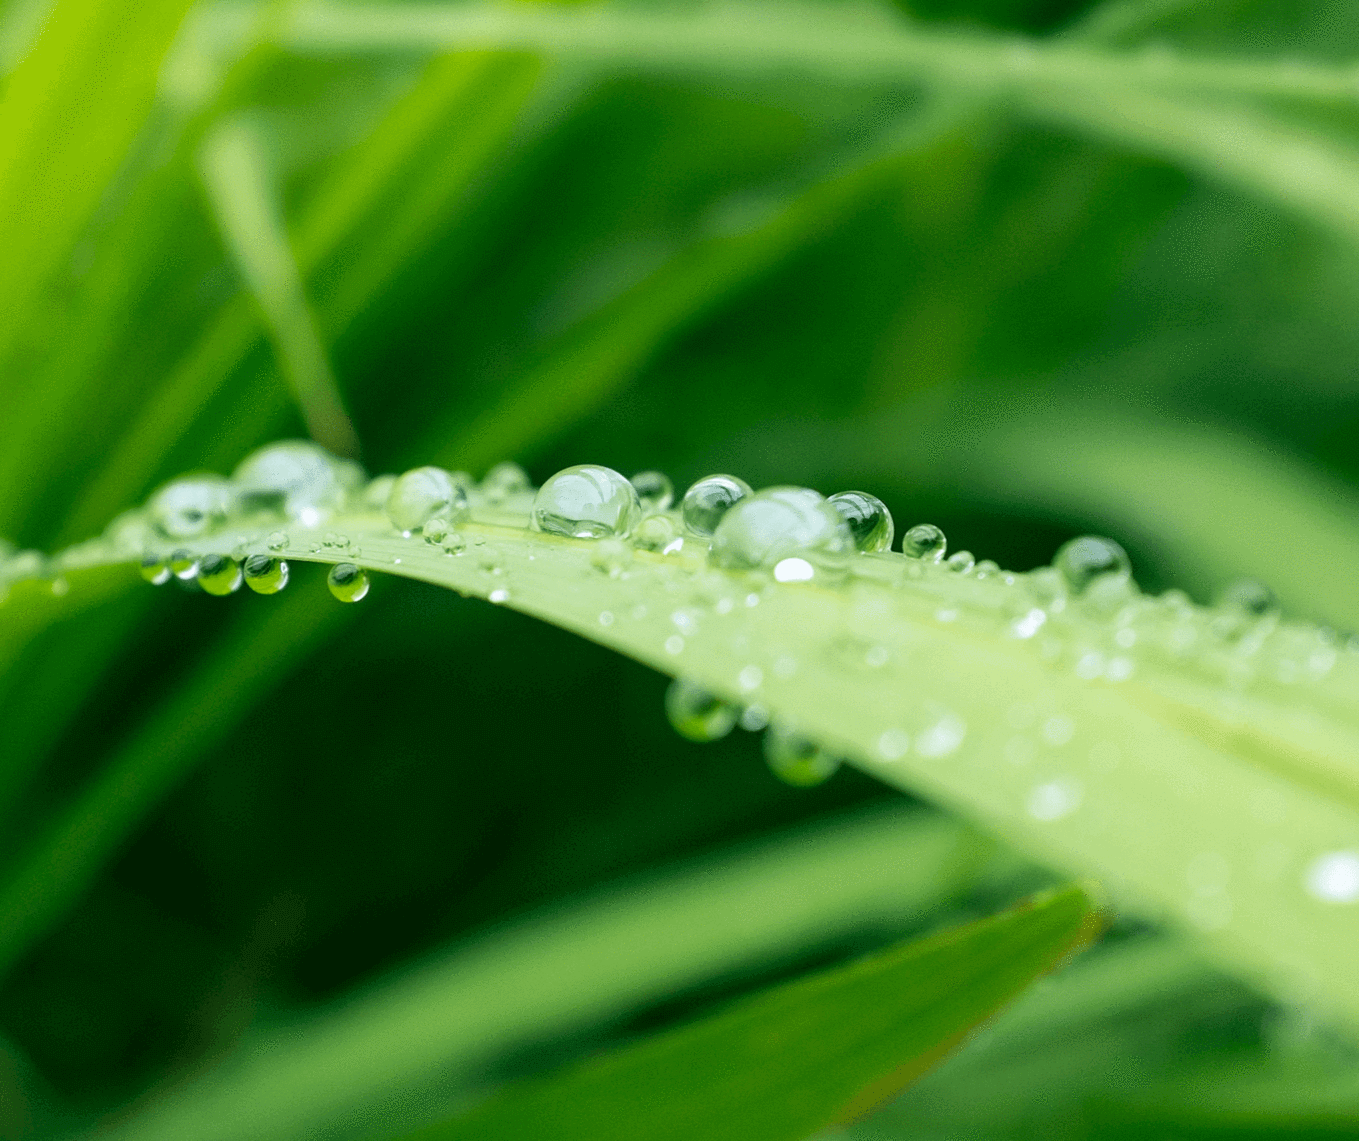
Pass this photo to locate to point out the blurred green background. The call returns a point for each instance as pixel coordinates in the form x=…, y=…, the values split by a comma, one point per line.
x=994, y=315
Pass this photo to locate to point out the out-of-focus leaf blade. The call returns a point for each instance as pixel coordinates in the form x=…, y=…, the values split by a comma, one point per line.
x=789, y=1061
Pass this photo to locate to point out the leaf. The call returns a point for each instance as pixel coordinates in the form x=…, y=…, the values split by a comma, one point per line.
x=385, y=1055
x=780, y=1065
x=1201, y=763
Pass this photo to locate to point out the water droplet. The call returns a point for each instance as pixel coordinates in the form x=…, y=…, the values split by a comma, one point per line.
x=265, y=575
x=750, y=677
x=1030, y=623
x=1243, y=605
x=183, y=565
x=278, y=541
x=155, y=570
x=219, y=574
x=1334, y=877
x=697, y=714
x=436, y=531
x=1090, y=561
x=611, y=556
x=655, y=533
x=960, y=562
x=941, y=738
x=924, y=541
x=347, y=582
x=1053, y=800
x=296, y=478
x=986, y=568
x=504, y=480
x=191, y=506
x=869, y=521
x=654, y=490
x=454, y=544
x=780, y=523
x=794, y=570
x=424, y=494
x=498, y=596
x=708, y=500
x=375, y=494
x=606, y=618
x=674, y=644
x=586, y=502
x=893, y=744
x=796, y=759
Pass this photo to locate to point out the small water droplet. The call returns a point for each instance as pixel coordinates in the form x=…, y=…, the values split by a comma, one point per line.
x=697, y=714
x=893, y=744
x=295, y=478
x=986, y=568
x=941, y=738
x=656, y=533
x=265, y=575
x=869, y=521
x=219, y=574
x=674, y=644
x=191, y=506
x=960, y=562
x=924, y=541
x=586, y=502
x=436, y=531
x=750, y=677
x=654, y=490
x=606, y=618
x=423, y=494
x=183, y=565
x=797, y=760
x=454, y=544
x=1053, y=800
x=1334, y=877
x=347, y=582
x=611, y=556
x=781, y=523
x=278, y=540
x=498, y=596
x=504, y=480
x=794, y=570
x=1089, y=561
x=155, y=570
x=708, y=500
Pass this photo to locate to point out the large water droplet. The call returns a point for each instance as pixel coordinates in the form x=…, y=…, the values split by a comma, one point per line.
x=709, y=500
x=586, y=502
x=797, y=760
x=219, y=574
x=924, y=541
x=191, y=506
x=265, y=574
x=423, y=494
x=698, y=714
x=869, y=521
x=1090, y=561
x=780, y=523
x=347, y=582
x=295, y=478
x=654, y=490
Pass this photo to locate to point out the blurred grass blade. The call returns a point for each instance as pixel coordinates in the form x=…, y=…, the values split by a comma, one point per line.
x=801, y=1056
x=246, y=205
x=1114, y=96
x=398, y=1051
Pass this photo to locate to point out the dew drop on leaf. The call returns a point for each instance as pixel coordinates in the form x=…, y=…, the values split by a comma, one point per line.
x=780, y=523
x=924, y=541
x=696, y=713
x=586, y=502
x=1091, y=560
x=183, y=565
x=155, y=570
x=797, y=760
x=294, y=478
x=424, y=494
x=655, y=532
x=277, y=540
x=654, y=490
x=219, y=574
x=869, y=521
x=503, y=480
x=347, y=582
x=960, y=562
x=192, y=506
x=708, y=500
x=265, y=574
